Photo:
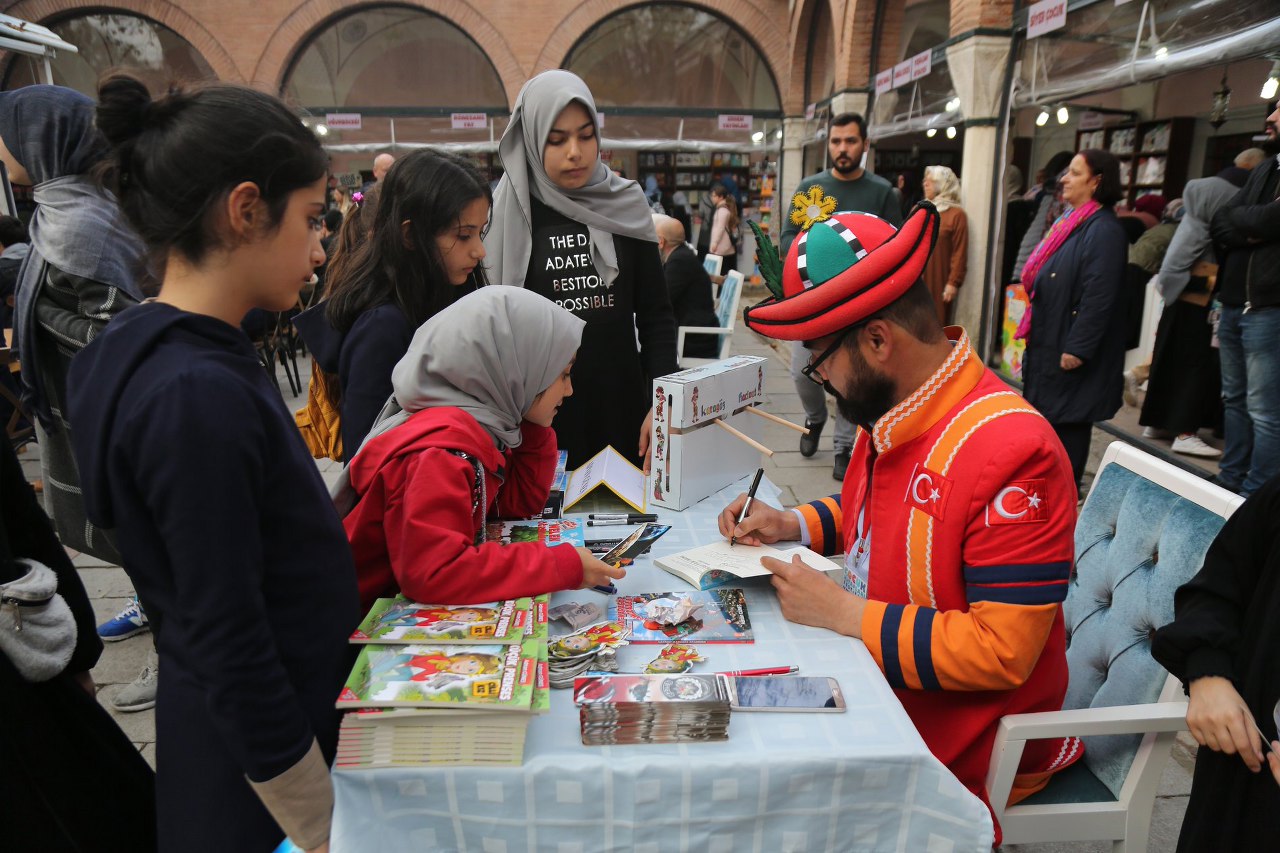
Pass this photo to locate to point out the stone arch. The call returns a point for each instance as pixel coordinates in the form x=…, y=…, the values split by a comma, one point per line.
x=801, y=22
x=762, y=31
x=857, y=27
x=160, y=11
x=296, y=30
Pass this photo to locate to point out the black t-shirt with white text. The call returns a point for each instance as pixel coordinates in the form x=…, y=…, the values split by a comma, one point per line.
x=612, y=375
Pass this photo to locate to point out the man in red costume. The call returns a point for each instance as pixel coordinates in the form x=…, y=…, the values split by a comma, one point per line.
x=958, y=510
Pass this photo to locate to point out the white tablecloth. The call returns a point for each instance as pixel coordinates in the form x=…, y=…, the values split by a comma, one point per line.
x=858, y=781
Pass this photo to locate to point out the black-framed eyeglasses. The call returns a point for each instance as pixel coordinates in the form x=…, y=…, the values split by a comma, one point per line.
x=809, y=370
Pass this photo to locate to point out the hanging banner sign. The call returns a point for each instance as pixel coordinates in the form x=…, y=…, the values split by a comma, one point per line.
x=469, y=121
x=810, y=111
x=599, y=121
x=342, y=121
x=734, y=122
x=1045, y=17
x=921, y=64
x=902, y=73
x=884, y=81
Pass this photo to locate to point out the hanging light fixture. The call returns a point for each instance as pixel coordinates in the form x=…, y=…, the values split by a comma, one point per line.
x=931, y=132
x=1043, y=118
x=1221, y=101
x=322, y=130
x=1063, y=114
x=951, y=132
x=1270, y=87
x=953, y=104
x=758, y=136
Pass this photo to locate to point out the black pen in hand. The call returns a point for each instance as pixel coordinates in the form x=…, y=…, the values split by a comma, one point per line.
x=746, y=506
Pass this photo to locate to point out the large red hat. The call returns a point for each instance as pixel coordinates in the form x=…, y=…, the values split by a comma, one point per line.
x=843, y=269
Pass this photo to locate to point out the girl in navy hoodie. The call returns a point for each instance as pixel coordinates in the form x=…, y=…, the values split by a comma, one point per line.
x=188, y=452
x=423, y=251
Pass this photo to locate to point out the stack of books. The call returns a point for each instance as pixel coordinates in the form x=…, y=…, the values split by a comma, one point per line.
x=626, y=709
x=444, y=684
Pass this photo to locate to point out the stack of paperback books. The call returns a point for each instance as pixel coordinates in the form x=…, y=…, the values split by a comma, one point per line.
x=624, y=709
x=444, y=684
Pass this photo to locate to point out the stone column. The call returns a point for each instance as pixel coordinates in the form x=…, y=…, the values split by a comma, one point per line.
x=977, y=71
x=791, y=164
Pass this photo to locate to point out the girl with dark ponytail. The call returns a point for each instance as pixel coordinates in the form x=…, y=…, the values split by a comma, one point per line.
x=187, y=451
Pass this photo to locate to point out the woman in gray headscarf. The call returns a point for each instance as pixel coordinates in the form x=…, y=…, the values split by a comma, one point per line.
x=565, y=227
x=468, y=434
x=83, y=269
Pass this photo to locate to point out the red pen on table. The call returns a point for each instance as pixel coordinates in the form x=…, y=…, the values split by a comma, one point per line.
x=772, y=670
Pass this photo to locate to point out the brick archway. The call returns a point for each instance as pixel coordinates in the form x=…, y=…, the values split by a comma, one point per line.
x=160, y=11
x=801, y=23
x=294, y=32
x=767, y=34
x=856, y=26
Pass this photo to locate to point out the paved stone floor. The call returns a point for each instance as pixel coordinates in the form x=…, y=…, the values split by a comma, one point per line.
x=799, y=478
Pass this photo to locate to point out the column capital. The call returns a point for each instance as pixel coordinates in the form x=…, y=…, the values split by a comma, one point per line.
x=977, y=65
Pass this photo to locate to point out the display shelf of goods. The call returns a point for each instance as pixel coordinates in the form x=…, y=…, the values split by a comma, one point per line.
x=1156, y=139
x=1126, y=172
x=1122, y=140
x=1091, y=139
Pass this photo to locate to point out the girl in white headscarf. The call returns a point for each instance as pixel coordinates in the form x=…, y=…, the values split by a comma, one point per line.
x=949, y=263
x=565, y=227
x=468, y=434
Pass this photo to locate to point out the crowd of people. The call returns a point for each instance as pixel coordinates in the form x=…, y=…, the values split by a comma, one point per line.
x=461, y=337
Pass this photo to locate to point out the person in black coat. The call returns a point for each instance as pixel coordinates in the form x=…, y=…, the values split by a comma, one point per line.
x=689, y=287
x=1073, y=367
x=70, y=779
x=1222, y=645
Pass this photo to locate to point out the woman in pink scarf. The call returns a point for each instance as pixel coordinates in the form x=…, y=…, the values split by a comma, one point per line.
x=1072, y=370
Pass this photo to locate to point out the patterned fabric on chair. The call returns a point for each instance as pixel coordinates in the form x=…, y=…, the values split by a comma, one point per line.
x=1136, y=543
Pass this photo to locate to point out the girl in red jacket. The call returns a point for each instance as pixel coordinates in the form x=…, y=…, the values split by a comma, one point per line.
x=468, y=435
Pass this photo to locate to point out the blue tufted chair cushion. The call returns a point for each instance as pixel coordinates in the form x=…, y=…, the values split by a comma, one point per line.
x=1136, y=543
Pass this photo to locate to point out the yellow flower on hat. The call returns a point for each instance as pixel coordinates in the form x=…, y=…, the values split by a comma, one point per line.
x=816, y=206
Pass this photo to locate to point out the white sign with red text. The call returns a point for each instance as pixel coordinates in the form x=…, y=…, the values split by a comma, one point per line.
x=469, y=121
x=734, y=122
x=902, y=73
x=342, y=121
x=884, y=81
x=921, y=64
x=1045, y=17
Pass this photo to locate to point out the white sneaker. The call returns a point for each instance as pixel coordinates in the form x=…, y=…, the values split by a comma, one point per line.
x=1194, y=445
x=140, y=694
x=1131, y=386
x=1156, y=432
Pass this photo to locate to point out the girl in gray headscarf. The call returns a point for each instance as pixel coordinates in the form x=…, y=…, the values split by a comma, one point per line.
x=83, y=269
x=565, y=227
x=467, y=434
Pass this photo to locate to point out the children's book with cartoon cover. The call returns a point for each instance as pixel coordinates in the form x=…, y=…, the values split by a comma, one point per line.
x=399, y=620
x=535, y=627
x=426, y=676
x=714, y=616
x=554, y=531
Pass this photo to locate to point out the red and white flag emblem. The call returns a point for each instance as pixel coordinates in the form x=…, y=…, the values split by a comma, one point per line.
x=1019, y=502
x=927, y=491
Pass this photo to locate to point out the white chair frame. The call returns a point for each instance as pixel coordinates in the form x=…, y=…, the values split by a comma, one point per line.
x=1126, y=822
x=725, y=331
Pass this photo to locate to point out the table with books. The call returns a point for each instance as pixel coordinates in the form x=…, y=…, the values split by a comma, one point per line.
x=859, y=780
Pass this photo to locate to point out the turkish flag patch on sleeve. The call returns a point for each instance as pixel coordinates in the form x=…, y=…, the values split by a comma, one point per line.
x=1019, y=502
x=927, y=491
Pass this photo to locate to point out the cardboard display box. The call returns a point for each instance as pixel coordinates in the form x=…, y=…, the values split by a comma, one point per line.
x=692, y=457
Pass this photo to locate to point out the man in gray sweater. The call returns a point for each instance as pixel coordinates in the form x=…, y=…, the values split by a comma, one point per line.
x=853, y=189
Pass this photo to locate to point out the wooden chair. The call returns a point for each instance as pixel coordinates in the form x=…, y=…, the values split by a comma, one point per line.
x=1142, y=533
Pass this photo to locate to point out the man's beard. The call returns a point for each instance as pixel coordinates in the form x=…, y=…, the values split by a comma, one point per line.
x=845, y=165
x=1271, y=144
x=867, y=396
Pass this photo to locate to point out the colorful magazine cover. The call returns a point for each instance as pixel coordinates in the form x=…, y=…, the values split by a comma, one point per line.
x=556, y=531
x=715, y=616
x=423, y=676
x=399, y=620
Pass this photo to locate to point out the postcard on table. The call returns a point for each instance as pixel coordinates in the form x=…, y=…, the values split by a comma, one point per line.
x=720, y=563
x=611, y=469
